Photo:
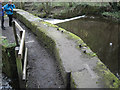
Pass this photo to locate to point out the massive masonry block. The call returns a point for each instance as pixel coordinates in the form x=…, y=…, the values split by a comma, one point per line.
x=79, y=69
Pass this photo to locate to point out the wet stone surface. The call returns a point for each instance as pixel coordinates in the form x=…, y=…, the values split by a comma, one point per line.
x=5, y=83
x=42, y=68
x=8, y=32
x=101, y=35
x=43, y=71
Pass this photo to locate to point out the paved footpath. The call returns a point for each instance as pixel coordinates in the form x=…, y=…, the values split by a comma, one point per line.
x=43, y=71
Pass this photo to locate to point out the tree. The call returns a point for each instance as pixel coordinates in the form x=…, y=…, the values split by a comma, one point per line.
x=70, y=4
x=46, y=7
x=114, y=5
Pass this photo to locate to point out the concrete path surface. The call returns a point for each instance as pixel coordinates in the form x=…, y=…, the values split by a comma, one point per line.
x=43, y=71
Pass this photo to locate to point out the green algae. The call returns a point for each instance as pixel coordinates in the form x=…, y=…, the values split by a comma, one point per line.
x=8, y=57
x=111, y=81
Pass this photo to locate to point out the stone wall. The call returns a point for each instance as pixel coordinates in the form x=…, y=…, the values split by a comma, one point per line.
x=8, y=60
x=79, y=66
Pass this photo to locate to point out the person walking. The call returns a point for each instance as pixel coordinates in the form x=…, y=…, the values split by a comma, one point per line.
x=2, y=16
x=9, y=11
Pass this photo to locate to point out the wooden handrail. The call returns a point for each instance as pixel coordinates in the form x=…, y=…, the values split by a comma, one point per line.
x=18, y=26
x=18, y=37
x=25, y=64
x=20, y=53
x=15, y=34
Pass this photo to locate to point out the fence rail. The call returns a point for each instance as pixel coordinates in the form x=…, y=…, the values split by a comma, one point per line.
x=22, y=45
x=21, y=52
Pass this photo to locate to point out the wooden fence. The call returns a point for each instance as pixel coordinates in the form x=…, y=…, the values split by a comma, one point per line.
x=21, y=52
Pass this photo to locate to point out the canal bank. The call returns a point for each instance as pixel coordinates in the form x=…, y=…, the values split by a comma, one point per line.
x=74, y=57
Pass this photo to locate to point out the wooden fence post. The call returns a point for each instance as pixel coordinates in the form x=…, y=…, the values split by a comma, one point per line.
x=15, y=34
x=22, y=45
x=25, y=64
x=21, y=34
x=21, y=54
x=19, y=67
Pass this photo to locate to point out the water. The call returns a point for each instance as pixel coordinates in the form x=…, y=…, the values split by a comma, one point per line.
x=56, y=21
x=5, y=82
x=9, y=83
x=101, y=35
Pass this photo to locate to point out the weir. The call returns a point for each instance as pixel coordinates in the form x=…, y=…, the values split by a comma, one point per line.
x=72, y=59
x=102, y=40
x=57, y=21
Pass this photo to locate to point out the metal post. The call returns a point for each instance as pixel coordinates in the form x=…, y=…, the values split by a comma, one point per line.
x=68, y=80
x=15, y=34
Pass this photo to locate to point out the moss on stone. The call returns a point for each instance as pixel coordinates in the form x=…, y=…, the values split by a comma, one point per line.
x=73, y=84
x=8, y=60
x=45, y=39
x=50, y=43
x=49, y=24
x=6, y=44
x=107, y=76
x=111, y=81
x=42, y=15
x=79, y=41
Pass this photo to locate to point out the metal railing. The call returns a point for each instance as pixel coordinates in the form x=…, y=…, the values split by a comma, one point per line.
x=21, y=52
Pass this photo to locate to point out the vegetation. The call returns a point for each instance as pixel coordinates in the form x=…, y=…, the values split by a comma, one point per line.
x=62, y=10
x=112, y=14
x=67, y=10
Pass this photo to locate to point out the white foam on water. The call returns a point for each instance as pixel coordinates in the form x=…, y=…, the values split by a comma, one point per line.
x=56, y=21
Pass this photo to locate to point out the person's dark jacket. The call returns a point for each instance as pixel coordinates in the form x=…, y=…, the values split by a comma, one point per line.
x=1, y=10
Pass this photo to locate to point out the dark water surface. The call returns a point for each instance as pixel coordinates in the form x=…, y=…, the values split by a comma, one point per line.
x=5, y=82
x=101, y=35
